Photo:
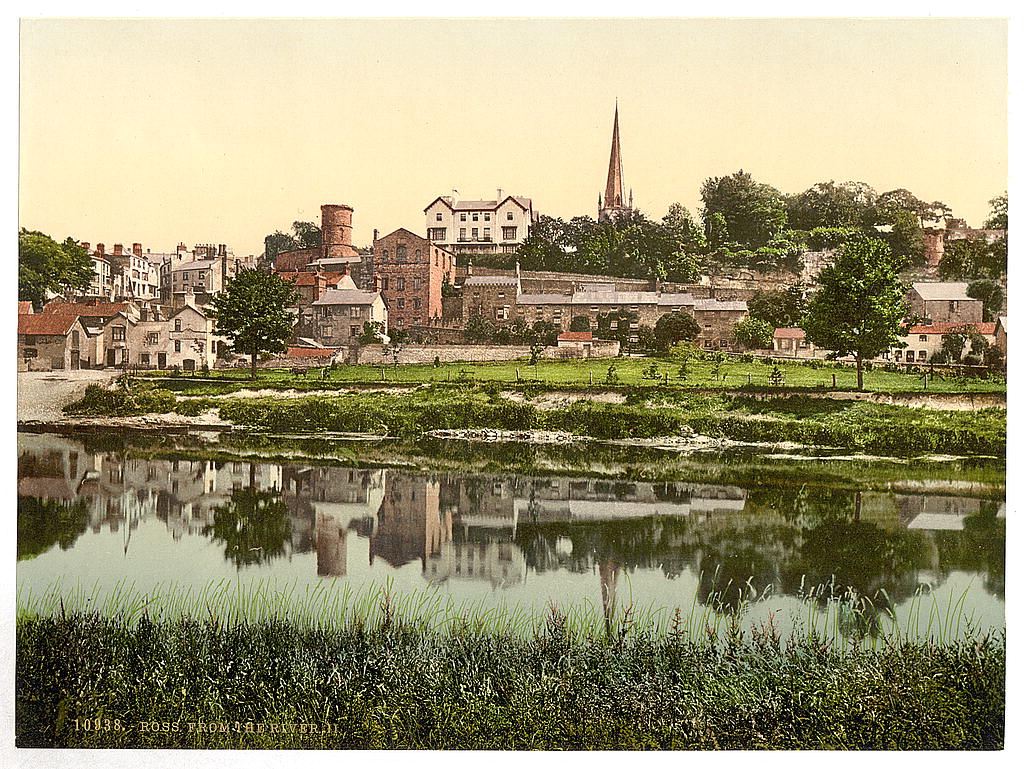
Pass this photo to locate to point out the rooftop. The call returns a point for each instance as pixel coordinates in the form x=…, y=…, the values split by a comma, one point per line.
x=346, y=296
x=99, y=310
x=504, y=280
x=945, y=327
x=46, y=325
x=310, y=352
x=789, y=333
x=942, y=291
x=576, y=336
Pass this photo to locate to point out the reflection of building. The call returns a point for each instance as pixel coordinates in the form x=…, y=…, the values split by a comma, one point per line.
x=936, y=513
x=500, y=563
x=409, y=525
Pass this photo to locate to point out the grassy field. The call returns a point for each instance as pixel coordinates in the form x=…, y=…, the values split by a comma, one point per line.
x=700, y=374
x=83, y=680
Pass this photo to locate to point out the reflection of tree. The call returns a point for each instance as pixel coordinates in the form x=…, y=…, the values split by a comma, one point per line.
x=864, y=557
x=254, y=526
x=43, y=523
x=980, y=547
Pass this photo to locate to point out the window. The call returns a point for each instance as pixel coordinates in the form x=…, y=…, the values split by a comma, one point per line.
x=355, y=312
x=144, y=358
x=437, y=233
x=476, y=217
x=922, y=338
x=400, y=254
x=487, y=217
x=897, y=354
x=476, y=233
x=487, y=233
x=177, y=345
x=417, y=254
x=177, y=324
x=953, y=306
x=401, y=322
x=384, y=255
x=417, y=283
x=400, y=284
x=508, y=233
x=707, y=344
x=384, y=284
x=153, y=337
x=325, y=331
x=462, y=217
x=117, y=333
x=723, y=343
x=415, y=304
x=438, y=216
x=401, y=304
x=74, y=339
x=922, y=355
x=910, y=356
x=462, y=233
x=353, y=330
x=30, y=352
x=509, y=216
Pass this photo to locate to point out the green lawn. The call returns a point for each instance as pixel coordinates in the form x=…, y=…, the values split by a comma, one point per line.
x=701, y=374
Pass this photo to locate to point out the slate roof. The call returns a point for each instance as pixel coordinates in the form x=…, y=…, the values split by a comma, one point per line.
x=953, y=292
x=484, y=280
x=101, y=310
x=347, y=296
x=944, y=327
x=714, y=304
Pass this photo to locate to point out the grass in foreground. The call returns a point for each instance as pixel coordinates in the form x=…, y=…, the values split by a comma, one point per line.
x=87, y=681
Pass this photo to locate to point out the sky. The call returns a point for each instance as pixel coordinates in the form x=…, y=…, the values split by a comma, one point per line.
x=160, y=131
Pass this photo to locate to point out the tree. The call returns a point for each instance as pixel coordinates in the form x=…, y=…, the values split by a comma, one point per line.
x=307, y=235
x=304, y=235
x=779, y=309
x=673, y=328
x=48, y=267
x=754, y=213
x=254, y=313
x=970, y=258
x=373, y=332
x=999, y=217
x=906, y=239
x=859, y=305
x=828, y=204
x=580, y=323
x=754, y=334
x=991, y=296
x=254, y=525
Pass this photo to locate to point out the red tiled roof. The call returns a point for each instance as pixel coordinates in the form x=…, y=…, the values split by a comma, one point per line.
x=789, y=333
x=24, y=308
x=101, y=310
x=309, y=352
x=576, y=336
x=46, y=325
x=945, y=326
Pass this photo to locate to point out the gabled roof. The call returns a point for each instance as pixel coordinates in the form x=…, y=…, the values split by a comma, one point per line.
x=186, y=307
x=403, y=231
x=715, y=304
x=789, y=333
x=954, y=292
x=197, y=264
x=483, y=205
x=347, y=296
x=46, y=325
x=1001, y=321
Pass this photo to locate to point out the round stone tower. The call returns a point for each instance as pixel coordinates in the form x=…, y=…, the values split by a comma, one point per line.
x=336, y=227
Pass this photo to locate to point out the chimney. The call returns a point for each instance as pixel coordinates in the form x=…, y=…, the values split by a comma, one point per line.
x=137, y=249
x=118, y=249
x=182, y=247
x=222, y=250
x=84, y=245
x=374, y=234
x=100, y=249
x=499, y=194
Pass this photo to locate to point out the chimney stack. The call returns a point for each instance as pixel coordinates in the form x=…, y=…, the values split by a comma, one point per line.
x=499, y=194
x=100, y=249
x=374, y=234
x=84, y=245
x=137, y=249
x=118, y=249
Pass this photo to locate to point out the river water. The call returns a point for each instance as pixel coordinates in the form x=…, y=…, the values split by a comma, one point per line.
x=97, y=513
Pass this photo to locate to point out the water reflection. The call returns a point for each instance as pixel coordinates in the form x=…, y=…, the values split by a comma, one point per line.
x=458, y=531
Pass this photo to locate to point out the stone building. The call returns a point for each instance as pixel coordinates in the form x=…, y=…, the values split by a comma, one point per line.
x=50, y=341
x=185, y=340
x=921, y=342
x=942, y=233
x=468, y=227
x=943, y=302
x=337, y=317
x=408, y=272
x=335, y=243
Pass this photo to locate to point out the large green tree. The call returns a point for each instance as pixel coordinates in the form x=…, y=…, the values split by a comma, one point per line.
x=859, y=305
x=254, y=313
x=303, y=235
x=779, y=309
x=48, y=267
x=753, y=212
x=675, y=327
x=754, y=334
x=991, y=295
x=999, y=217
x=827, y=204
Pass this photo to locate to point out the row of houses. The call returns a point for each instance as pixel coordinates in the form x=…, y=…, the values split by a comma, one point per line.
x=74, y=335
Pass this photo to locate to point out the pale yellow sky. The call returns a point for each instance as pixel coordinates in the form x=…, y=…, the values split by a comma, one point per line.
x=223, y=131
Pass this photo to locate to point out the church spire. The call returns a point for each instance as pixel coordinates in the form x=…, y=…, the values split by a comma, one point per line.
x=614, y=192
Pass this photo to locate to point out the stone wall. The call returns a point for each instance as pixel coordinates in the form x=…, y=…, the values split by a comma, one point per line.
x=448, y=353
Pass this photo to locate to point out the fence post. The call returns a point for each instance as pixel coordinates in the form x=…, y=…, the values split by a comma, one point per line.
x=833, y=381
x=517, y=373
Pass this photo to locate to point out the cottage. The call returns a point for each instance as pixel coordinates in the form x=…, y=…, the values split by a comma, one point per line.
x=921, y=342
x=945, y=302
x=51, y=341
x=339, y=314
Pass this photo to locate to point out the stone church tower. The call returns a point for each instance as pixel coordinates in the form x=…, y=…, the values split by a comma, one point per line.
x=614, y=204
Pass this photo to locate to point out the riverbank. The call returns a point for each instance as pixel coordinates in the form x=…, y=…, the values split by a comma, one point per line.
x=85, y=681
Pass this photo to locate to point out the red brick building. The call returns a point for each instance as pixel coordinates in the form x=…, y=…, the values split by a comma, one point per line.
x=408, y=272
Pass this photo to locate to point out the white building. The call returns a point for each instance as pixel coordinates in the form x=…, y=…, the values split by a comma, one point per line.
x=468, y=227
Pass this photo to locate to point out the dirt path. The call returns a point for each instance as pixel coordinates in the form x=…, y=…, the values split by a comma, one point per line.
x=43, y=394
